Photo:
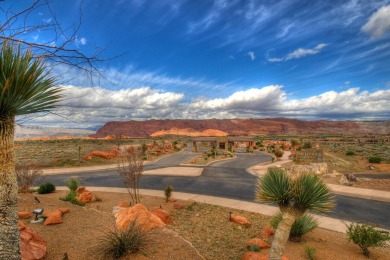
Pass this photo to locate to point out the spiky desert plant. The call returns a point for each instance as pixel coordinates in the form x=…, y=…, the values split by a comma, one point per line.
x=168, y=192
x=310, y=251
x=295, y=195
x=26, y=87
x=73, y=183
x=301, y=225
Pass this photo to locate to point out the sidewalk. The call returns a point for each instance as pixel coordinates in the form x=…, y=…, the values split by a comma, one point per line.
x=324, y=222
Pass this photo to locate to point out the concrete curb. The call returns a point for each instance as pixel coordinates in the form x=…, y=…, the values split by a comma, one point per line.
x=328, y=223
x=207, y=164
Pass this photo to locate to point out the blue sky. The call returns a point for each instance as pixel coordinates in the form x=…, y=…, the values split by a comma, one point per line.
x=227, y=59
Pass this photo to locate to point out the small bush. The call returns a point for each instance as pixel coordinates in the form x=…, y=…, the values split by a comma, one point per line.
x=350, y=153
x=46, y=188
x=168, y=192
x=374, y=159
x=115, y=244
x=306, y=145
x=72, y=198
x=278, y=153
x=73, y=183
x=254, y=248
x=301, y=226
x=310, y=252
x=26, y=175
x=366, y=236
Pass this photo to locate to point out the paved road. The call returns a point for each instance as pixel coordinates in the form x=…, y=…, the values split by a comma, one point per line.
x=230, y=180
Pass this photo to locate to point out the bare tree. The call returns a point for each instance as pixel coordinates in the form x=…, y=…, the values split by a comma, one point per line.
x=130, y=169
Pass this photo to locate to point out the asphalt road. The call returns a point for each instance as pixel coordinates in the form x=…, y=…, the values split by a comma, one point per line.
x=229, y=179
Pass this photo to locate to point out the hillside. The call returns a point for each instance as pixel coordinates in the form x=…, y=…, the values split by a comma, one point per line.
x=29, y=131
x=240, y=127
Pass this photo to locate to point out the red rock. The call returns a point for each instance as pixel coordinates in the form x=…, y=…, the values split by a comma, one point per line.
x=64, y=210
x=24, y=214
x=172, y=200
x=257, y=241
x=144, y=218
x=163, y=215
x=266, y=232
x=123, y=204
x=53, y=217
x=32, y=246
x=21, y=225
x=257, y=256
x=84, y=195
x=178, y=206
x=239, y=220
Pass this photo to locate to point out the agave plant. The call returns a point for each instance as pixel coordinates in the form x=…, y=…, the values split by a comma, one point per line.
x=294, y=195
x=25, y=87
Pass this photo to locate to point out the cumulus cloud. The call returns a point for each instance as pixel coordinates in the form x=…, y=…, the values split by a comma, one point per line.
x=299, y=53
x=379, y=23
x=88, y=107
x=81, y=41
x=251, y=55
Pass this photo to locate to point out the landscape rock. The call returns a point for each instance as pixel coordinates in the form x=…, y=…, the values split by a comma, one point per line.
x=64, y=210
x=178, y=206
x=24, y=214
x=139, y=213
x=259, y=242
x=329, y=175
x=266, y=232
x=371, y=167
x=344, y=181
x=239, y=220
x=172, y=200
x=32, y=246
x=53, y=217
x=84, y=195
x=163, y=215
x=351, y=177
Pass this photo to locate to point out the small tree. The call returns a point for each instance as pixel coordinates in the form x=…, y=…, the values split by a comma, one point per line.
x=168, y=192
x=26, y=175
x=130, y=169
x=279, y=154
x=367, y=236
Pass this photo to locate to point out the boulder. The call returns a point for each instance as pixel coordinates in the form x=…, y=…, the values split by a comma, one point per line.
x=24, y=214
x=163, y=215
x=351, y=177
x=257, y=256
x=64, y=210
x=53, y=217
x=32, y=246
x=84, y=195
x=239, y=220
x=139, y=213
x=259, y=242
x=266, y=232
x=178, y=206
x=344, y=181
x=371, y=167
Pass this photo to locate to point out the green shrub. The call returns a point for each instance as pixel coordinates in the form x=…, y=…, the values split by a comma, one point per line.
x=72, y=198
x=168, y=192
x=366, y=236
x=350, y=153
x=301, y=226
x=375, y=159
x=46, y=188
x=279, y=153
x=310, y=252
x=254, y=248
x=117, y=243
x=73, y=183
x=306, y=145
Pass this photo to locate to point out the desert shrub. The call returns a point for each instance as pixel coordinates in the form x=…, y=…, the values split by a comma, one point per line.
x=71, y=197
x=73, y=183
x=375, y=159
x=168, y=192
x=350, y=153
x=301, y=226
x=254, y=248
x=306, y=145
x=278, y=153
x=26, y=174
x=46, y=188
x=366, y=236
x=130, y=169
x=310, y=252
x=117, y=243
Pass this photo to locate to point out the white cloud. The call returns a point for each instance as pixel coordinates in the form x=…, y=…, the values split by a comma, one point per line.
x=83, y=41
x=379, y=23
x=48, y=20
x=299, y=53
x=80, y=41
x=251, y=55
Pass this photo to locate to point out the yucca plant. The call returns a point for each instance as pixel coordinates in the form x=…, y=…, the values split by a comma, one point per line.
x=301, y=225
x=26, y=87
x=295, y=195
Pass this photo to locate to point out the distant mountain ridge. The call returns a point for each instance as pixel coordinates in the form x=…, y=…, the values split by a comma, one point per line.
x=241, y=127
x=30, y=131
